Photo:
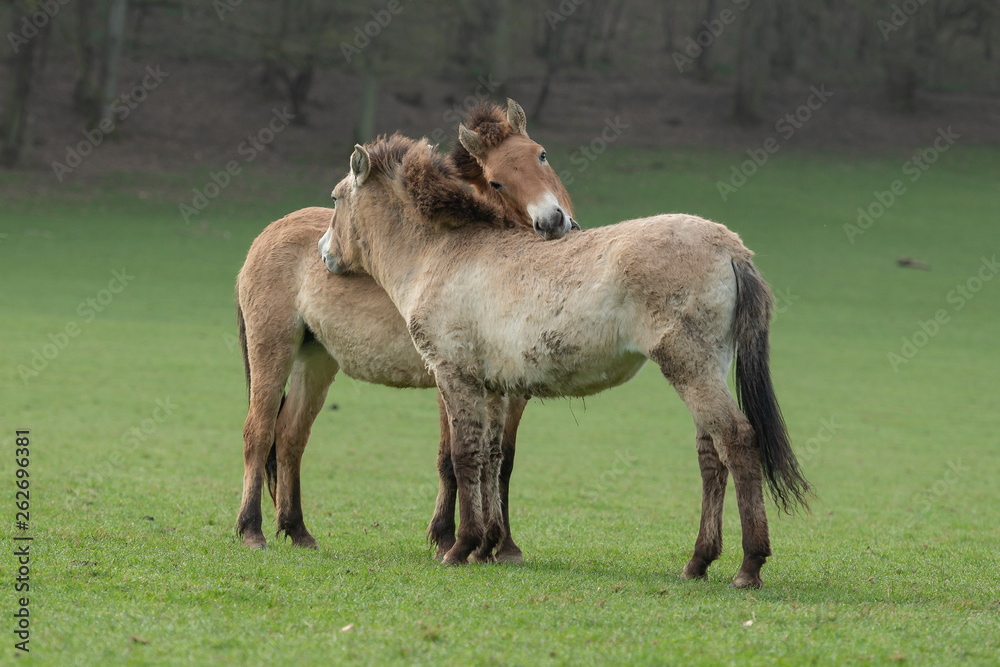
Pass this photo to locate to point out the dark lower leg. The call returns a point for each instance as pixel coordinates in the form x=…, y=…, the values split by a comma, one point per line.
x=289, y=509
x=441, y=530
x=312, y=373
x=249, y=520
x=708, y=546
x=494, y=531
x=468, y=473
x=258, y=436
x=745, y=466
x=509, y=552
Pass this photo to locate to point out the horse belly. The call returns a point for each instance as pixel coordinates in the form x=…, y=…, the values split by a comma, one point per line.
x=361, y=329
x=592, y=378
x=566, y=373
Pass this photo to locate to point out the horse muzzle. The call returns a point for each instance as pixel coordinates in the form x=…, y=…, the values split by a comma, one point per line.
x=554, y=224
x=333, y=265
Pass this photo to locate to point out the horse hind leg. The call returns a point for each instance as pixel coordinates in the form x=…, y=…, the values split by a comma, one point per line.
x=441, y=530
x=266, y=391
x=714, y=474
x=716, y=412
x=508, y=551
x=312, y=373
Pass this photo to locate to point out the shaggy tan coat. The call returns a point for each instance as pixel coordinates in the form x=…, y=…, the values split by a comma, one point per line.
x=498, y=314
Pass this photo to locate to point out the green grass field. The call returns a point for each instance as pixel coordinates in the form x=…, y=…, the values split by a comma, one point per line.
x=134, y=557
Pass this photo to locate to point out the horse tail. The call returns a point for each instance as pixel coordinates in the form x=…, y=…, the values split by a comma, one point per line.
x=242, y=325
x=271, y=465
x=755, y=392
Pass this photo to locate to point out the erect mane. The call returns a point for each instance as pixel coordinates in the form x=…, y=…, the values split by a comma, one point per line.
x=386, y=153
x=489, y=121
x=432, y=182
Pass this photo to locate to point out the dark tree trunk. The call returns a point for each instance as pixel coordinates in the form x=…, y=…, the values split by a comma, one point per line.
x=786, y=28
x=365, y=129
x=85, y=93
x=16, y=120
x=752, y=62
x=703, y=66
x=112, y=55
x=553, y=49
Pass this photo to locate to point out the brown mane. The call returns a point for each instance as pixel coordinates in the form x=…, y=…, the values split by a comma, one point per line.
x=386, y=153
x=432, y=182
x=489, y=121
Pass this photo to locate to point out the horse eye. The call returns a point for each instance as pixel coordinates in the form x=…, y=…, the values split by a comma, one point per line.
x=541, y=158
x=495, y=185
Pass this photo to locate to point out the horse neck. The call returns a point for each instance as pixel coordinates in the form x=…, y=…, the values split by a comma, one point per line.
x=395, y=251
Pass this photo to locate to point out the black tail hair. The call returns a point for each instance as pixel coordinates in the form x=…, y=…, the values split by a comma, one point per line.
x=242, y=325
x=271, y=465
x=755, y=392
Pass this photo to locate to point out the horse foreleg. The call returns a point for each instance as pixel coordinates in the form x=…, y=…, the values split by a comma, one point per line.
x=441, y=530
x=312, y=373
x=708, y=546
x=495, y=531
x=467, y=414
x=509, y=552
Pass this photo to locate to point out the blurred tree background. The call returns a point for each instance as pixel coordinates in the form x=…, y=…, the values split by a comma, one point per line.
x=349, y=70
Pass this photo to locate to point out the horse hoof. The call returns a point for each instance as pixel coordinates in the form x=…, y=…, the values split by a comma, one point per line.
x=254, y=542
x=479, y=558
x=454, y=557
x=692, y=572
x=510, y=556
x=744, y=580
x=443, y=551
x=306, y=543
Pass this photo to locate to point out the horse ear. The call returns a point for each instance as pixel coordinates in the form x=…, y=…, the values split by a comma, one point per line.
x=515, y=116
x=361, y=164
x=471, y=141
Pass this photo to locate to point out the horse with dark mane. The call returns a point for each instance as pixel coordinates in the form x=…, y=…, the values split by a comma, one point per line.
x=498, y=313
x=300, y=325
